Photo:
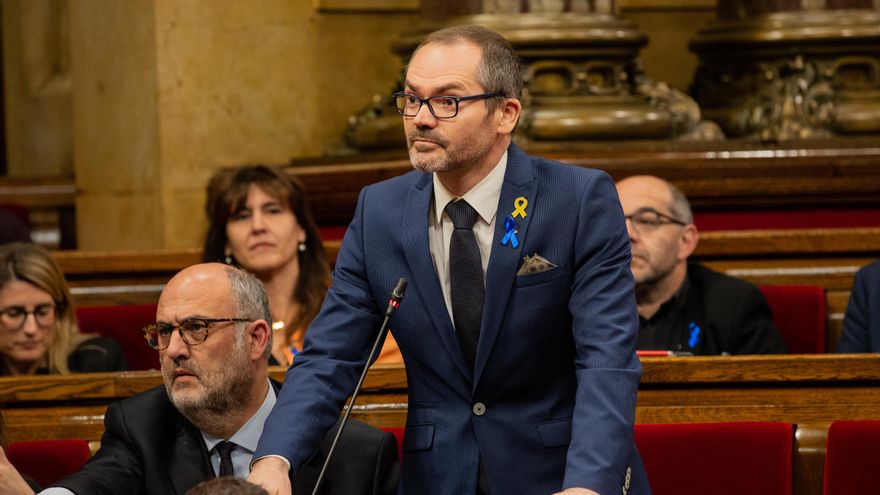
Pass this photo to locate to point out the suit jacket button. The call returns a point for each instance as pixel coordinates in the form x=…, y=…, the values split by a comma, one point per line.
x=479, y=409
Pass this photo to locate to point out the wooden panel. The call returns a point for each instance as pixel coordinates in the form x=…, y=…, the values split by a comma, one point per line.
x=810, y=391
x=730, y=175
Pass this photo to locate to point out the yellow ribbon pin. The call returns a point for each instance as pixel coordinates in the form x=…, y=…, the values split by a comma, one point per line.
x=519, y=207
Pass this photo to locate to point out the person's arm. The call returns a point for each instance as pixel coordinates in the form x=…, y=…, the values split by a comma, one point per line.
x=11, y=482
x=605, y=329
x=854, y=336
x=324, y=374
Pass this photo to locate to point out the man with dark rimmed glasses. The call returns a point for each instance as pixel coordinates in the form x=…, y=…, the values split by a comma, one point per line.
x=686, y=307
x=213, y=334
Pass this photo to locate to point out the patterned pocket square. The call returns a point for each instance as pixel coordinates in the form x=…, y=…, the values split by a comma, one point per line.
x=534, y=264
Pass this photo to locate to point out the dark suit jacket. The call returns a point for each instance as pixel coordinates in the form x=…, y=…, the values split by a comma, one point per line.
x=149, y=448
x=550, y=401
x=861, y=324
x=97, y=354
x=733, y=316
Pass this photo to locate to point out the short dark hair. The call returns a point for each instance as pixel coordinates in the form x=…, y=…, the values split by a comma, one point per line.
x=500, y=70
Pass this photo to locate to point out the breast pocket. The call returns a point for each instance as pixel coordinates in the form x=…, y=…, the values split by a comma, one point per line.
x=533, y=279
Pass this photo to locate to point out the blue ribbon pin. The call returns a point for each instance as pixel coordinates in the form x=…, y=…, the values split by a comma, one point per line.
x=694, y=337
x=510, y=236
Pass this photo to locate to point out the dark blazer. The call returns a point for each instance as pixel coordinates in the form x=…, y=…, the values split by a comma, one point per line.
x=861, y=324
x=733, y=315
x=550, y=401
x=149, y=448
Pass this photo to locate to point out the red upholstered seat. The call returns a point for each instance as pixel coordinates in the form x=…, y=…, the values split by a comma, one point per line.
x=717, y=458
x=123, y=323
x=799, y=314
x=47, y=461
x=851, y=457
x=398, y=435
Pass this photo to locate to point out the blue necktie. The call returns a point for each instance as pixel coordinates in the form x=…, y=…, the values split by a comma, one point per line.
x=466, y=277
x=225, y=450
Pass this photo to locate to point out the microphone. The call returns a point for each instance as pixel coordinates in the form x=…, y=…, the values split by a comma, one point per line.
x=396, y=296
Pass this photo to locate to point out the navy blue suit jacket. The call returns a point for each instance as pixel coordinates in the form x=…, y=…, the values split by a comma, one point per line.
x=555, y=368
x=861, y=324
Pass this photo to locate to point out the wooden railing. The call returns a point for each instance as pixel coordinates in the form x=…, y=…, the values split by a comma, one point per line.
x=809, y=391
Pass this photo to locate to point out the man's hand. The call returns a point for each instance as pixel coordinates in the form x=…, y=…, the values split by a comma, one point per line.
x=576, y=491
x=271, y=474
x=11, y=483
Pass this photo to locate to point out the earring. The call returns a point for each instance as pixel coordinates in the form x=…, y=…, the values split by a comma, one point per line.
x=301, y=247
x=228, y=260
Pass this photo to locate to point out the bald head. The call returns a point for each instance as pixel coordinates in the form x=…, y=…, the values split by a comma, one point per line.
x=640, y=191
x=214, y=362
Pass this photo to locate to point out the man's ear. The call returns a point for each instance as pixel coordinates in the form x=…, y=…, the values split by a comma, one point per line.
x=258, y=334
x=690, y=237
x=510, y=111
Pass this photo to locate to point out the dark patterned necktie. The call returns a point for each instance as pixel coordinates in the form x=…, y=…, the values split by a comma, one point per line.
x=225, y=450
x=466, y=277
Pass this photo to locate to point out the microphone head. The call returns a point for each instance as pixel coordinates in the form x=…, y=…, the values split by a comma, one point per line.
x=399, y=290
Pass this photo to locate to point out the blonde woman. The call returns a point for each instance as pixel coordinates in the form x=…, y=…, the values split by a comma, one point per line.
x=38, y=330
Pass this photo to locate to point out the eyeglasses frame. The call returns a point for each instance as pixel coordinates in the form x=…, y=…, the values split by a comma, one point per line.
x=424, y=101
x=670, y=220
x=56, y=312
x=179, y=327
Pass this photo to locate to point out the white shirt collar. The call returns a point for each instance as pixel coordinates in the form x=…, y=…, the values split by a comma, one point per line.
x=248, y=435
x=483, y=197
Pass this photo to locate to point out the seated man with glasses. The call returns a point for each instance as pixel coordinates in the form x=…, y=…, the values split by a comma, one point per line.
x=214, y=338
x=686, y=307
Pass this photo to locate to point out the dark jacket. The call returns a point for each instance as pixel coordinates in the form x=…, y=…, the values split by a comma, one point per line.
x=720, y=314
x=861, y=324
x=148, y=447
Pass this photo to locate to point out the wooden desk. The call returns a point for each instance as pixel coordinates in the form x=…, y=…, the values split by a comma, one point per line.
x=810, y=391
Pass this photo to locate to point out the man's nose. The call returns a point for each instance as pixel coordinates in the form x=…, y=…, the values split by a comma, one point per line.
x=176, y=346
x=424, y=117
x=631, y=230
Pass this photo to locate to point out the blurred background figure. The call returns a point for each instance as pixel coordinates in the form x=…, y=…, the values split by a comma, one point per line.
x=259, y=219
x=38, y=329
x=226, y=486
x=684, y=306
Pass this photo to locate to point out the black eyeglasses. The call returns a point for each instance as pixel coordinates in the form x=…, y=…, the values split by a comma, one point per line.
x=13, y=317
x=441, y=107
x=649, y=219
x=193, y=331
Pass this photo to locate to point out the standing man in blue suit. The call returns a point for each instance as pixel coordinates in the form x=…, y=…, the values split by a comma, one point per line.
x=519, y=326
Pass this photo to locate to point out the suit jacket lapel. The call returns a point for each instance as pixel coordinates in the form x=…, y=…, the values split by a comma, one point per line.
x=188, y=463
x=519, y=181
x=425, y=281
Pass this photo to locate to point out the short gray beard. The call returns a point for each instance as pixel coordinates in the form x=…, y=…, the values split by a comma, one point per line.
x=468, y=151
x=224, y=396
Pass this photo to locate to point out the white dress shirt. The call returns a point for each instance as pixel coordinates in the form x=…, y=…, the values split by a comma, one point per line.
x=245, y=438
x=484, y=199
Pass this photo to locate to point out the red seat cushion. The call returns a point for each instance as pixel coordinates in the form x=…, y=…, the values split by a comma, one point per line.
x=799, y=314
x=398, y=435
x=851, y=456
x=47, y=461
x=717, y=458
x=124, y=324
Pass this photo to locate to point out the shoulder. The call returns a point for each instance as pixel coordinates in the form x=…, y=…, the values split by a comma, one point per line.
x=710, y=281
x=150, y=405
x=97, y=354
x=869, y=274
